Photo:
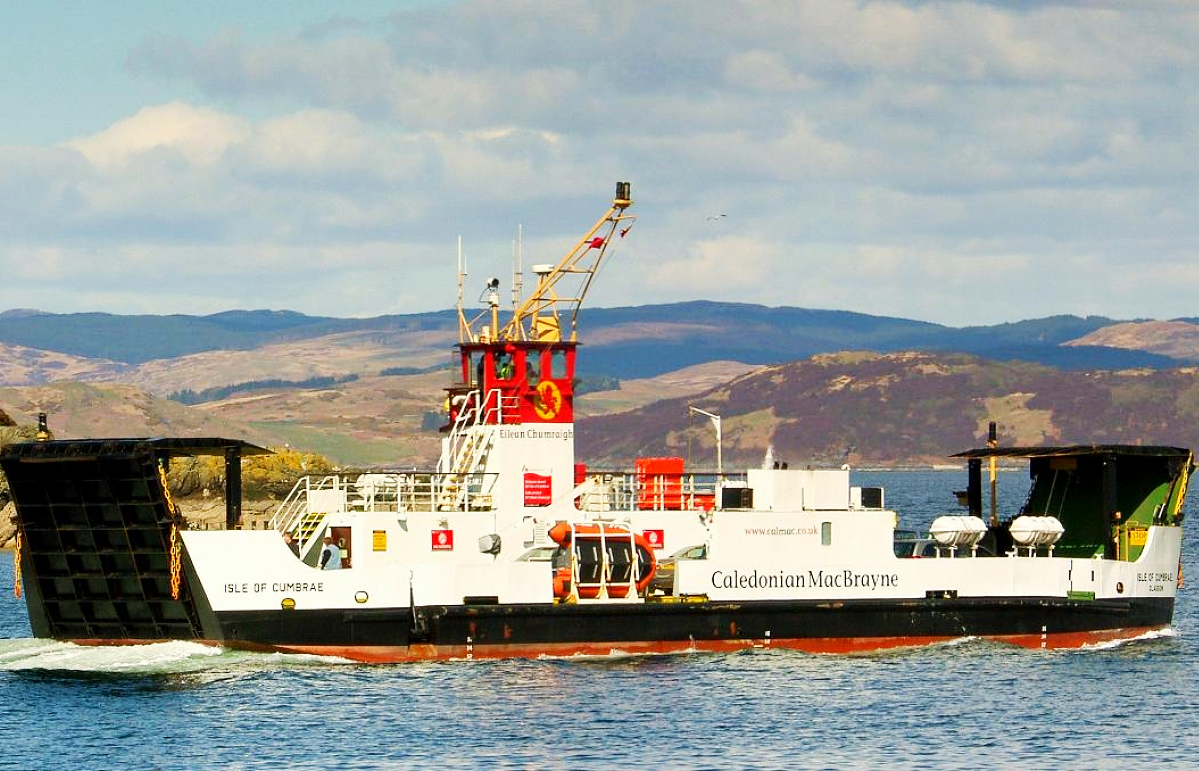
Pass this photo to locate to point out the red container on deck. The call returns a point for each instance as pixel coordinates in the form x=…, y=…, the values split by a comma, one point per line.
x=660, y=483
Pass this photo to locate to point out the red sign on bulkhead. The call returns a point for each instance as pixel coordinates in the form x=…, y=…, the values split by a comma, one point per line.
x=443, y=540
x=538, y=489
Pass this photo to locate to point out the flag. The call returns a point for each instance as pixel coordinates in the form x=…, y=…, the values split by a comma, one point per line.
x=625, y=231
x=596, y=243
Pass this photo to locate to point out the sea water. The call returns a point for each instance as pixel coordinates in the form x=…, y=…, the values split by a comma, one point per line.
x=961, y=705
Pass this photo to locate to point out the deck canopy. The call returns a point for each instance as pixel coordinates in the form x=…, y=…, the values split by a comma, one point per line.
x=1074, y=450
x=1106, y=496
x=62, y=458
x=168, y=447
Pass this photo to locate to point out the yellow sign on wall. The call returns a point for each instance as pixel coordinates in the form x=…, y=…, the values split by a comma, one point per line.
x=379, y=540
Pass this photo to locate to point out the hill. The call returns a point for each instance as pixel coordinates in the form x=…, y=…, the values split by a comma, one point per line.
x=163, y=354
x=117, y=410
x=139, y=339
x=1178, y=339
x=902, y=408
x=368, y=391
x=20, y=365
x=381, y=420
x=652, y=339
x=364, y=353
x=862, y=407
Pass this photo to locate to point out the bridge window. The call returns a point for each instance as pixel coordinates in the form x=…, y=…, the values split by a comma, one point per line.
x=558, y=365
x=533, y=366
x=475, y=369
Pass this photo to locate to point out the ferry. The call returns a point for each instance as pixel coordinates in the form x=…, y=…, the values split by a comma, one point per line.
x=511, y=547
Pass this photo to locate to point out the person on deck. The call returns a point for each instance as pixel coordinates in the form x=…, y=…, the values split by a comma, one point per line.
x=330, y=555
x=291, y=543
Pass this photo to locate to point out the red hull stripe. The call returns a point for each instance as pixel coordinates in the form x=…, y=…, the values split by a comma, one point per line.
x=391, y=654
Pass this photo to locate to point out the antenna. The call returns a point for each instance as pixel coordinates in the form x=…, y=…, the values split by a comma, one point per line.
x=461, y=271
x=517, y=267
x=464, y=331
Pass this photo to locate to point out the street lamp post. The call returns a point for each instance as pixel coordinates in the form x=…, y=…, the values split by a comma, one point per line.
x=715, y=422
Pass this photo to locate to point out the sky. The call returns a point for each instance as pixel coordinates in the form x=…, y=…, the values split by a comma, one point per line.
x=956, y=162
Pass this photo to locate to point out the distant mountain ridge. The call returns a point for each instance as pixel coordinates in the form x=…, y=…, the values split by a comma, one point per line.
x=858, y=407
x=628, y=342
x=900, y=408
x=142, y=338
x=756, y=334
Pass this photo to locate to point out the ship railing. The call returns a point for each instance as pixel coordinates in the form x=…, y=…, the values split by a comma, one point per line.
x=631, y=491
x=401, y=492
x=303, y=511
x=464, y=492
x=296, y=504
x=462, y=485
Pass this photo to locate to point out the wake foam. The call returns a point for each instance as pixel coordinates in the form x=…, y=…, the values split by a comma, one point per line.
x=153, y=658
x=1107, y=645
x=173, y=657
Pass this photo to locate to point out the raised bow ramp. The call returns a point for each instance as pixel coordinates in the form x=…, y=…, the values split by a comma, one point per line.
x=98, y=536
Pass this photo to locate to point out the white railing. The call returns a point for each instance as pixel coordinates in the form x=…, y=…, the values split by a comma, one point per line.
x=396, y=492
x=631, y=491
x=293, y=508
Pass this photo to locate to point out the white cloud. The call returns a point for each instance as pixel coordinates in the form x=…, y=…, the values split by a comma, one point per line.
x=713, y=266
x=873, y=156
x=199, y=134
x=765, y=71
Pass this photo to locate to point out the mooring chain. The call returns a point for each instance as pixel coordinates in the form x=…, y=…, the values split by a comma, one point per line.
x=176, y=561
x=16, y=567
x=176, y=552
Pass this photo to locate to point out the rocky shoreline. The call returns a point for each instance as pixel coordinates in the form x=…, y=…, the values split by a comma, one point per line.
x=7, y=527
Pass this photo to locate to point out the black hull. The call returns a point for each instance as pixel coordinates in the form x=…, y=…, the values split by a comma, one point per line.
x=534, y=630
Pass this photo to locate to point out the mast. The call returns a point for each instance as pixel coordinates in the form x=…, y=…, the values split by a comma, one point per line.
x=539, y=318
x=463, y=325
x=560, y=290
x=522, y=373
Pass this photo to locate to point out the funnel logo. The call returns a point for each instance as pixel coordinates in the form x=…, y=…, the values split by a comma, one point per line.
x=547, y=401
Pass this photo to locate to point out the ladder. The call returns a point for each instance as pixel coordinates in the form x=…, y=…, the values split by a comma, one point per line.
x=466, y=450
